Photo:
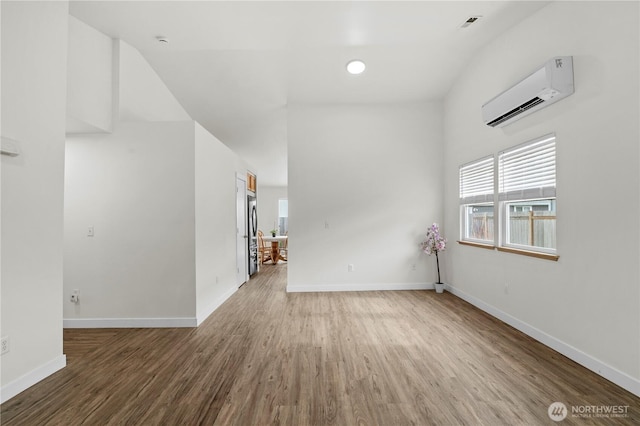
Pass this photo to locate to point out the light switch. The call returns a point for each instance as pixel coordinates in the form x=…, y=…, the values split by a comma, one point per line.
x=90, y=232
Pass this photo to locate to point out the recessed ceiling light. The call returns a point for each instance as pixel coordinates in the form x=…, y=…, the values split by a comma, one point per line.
x=162, y=39
x=356, y=67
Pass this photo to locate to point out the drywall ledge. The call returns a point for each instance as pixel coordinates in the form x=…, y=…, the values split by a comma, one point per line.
x=31, y=378
x=10, y=147
x=616, y=376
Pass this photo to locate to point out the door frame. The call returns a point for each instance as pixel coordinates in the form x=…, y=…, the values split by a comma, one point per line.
x=242, y=270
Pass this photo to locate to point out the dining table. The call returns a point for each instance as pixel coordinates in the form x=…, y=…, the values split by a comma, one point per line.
x=275, y=246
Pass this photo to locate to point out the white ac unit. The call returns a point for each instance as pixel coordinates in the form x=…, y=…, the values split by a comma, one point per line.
x=548, y=84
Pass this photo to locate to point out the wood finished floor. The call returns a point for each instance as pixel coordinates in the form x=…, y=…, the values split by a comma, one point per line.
x=361, y=358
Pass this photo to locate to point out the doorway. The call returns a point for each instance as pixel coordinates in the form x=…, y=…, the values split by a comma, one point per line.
x=242, y=241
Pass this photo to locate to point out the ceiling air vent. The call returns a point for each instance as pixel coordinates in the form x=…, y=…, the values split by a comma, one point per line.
x=470, y=21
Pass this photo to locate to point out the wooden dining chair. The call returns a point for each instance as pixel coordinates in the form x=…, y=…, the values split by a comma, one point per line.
x=264, y=252
x=284, y=248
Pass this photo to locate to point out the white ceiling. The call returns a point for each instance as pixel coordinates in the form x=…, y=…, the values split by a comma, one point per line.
x=236, y=65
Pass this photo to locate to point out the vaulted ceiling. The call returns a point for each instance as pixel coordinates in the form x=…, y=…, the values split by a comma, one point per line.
x=235, y=66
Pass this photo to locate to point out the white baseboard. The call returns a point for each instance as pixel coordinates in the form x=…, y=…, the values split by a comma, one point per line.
x=312, y=288
x=610, y=373
x=129, y=322
x=204, y=314
x=24, y=382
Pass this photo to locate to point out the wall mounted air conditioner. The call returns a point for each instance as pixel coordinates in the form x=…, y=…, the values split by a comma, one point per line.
x=548, y=84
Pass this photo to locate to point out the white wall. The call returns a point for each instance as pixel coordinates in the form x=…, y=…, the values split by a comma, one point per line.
x=135, y=187
x=161, y=200
x=587, y=303
x=89, y=79
x=268, y=197
x=364, y=183
x=142, y=95
x=160, y=196
x=33, y=113
x=215, y=188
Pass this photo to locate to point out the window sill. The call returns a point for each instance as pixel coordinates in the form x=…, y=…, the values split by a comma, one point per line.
x=474, y=244
x=539, y=255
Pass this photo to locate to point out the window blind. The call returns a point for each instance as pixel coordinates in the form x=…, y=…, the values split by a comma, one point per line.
x=528, y=171
x=476, y=181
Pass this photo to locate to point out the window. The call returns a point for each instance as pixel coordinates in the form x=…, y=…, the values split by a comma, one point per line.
x=283, y=216
x=476, y=201
x=527, y=194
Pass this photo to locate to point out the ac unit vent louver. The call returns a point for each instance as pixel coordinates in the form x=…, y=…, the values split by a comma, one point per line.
x=548, y=84
x=516, y=111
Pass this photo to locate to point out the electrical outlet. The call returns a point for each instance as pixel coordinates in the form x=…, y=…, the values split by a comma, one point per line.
x=75, y=296
x=4, y=345
x=350, y=267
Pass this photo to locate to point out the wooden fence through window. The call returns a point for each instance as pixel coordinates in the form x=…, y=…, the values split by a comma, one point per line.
x=527, y=228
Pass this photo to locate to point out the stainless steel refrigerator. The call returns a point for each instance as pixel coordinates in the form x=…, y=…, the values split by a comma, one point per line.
x=252, y=232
